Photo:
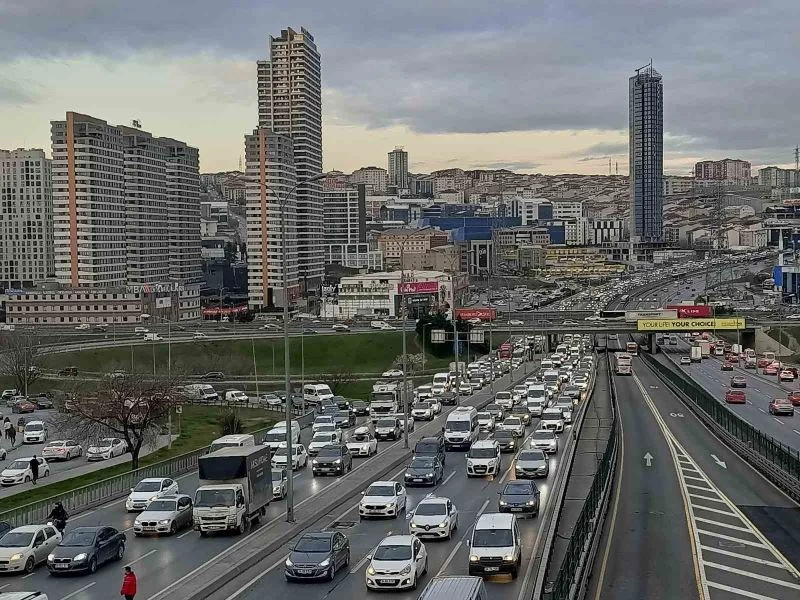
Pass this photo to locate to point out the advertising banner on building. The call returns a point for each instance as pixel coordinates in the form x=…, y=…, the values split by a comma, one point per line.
x=484, y=314
x=164, y=302
x=418, y=287
x=631, y=316
x=688, y=311
x=227, y=310
x=689, y=324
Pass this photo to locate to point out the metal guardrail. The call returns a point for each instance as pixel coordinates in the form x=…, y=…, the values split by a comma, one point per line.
x=775, y=460
x=100, y=492
x=573, y=567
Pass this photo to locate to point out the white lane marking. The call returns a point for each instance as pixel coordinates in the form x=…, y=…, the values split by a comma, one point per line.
x=28, y=575
x=142, y=557
x=738, y=591
x=709, y=509
x=708, y=498
x=779, y=421
x=87, y=513
x=185, y=533
x=741, y=556
x=2, y=587
x=78, y=591
x=771, y=580
x=363, y=561
x=446, y=479
x=797, y=432
x=460, y=543
x=762, y=410
x=730, y=538
x=247, y=585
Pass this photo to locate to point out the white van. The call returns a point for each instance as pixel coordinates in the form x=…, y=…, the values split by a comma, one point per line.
x=233, y=441
x=277, y=435
x=378, y=324
x=236, y=396
x=484, y=458
x=441, y=379
x=317, y=392
x=201, y=393
x=495, y=534
x=547, y=364
x=461, y=427
x=152, y=337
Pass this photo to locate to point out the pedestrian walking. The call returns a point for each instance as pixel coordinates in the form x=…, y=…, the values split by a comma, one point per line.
x=34, y=469
x=13, y=433
x=128, y=584
x=7, y=426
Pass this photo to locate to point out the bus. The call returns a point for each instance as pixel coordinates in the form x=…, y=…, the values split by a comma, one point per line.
x=632, y=348
x=719, y=348
x=624, y=366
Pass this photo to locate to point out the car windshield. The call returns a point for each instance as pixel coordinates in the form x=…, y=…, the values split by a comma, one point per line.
x=20, y=464
x=493, y=408
x=16, y=539
x=323, y=420
x=275, y=436
x=55, y=445
x=423, y=405
x=511, y=421
x=386, y=423
x=147, y=486
x=330, y=451
x=309, y=543
x=162, y=506
x=343, y=414
x=430, y=509
x=79, y=538
x=503, y=435
x=392, y=553
x=516, y=489
x=277, y=475
x=482, y=453
x=361, y=437
x=103, y=444
x=34, y=427
x=426, y=448
x=323, y=437
x=502, y=396
x=380, y=490
x=526, y=455
x=492, y=538
x=425, y=462
x=484, y=416
x=459, y=426
x=212, y=498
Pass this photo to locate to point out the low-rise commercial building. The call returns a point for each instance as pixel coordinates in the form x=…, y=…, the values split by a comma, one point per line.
x=393, y=242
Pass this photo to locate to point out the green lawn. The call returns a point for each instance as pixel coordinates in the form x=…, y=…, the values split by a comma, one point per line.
x=199, y=427
x=361, y=353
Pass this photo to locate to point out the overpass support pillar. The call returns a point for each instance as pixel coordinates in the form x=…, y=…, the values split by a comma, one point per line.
x=548, y=343
x=651, y=340
x=748, y=337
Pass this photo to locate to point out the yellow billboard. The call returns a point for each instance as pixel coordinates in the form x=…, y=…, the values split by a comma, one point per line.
x=689, y=324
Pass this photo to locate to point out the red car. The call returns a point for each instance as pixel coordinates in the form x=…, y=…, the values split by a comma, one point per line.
x=771, y=369
x=781, y=406
x=726, y=366
x=794, y=397
x=737, y=381
x=763, y=362
x=735, y=397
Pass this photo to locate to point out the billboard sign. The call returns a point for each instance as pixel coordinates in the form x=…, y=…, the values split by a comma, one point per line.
x=692, y=311
x=689, y=324
x=418, y=287
x=225, y=311
x=631, y=316
x=165, y=302
x=484, y=314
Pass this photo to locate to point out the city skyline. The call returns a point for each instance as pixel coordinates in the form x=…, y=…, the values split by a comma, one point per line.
x=545, y=119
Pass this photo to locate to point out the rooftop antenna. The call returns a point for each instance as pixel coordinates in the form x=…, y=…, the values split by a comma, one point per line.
x=616, y=165
x=240, y=162
x=136, y=123
x=609, y=165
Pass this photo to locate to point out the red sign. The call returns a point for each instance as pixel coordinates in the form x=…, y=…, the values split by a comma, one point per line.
x=484, y=314
x=687, y=311
x=228, y=310
x=418, y=287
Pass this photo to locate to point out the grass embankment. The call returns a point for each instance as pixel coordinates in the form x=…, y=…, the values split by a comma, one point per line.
x=360, y=353
x=199, y=427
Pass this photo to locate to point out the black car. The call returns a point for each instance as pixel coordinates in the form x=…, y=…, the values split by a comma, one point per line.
x=448, y=398
x=68, y=372
x=214, y=376
x=521, y=411
x=317, y=556
x=360, y=408
x=431, y=446
x=334, y=459
x=519, y=497
x=424, y=470
x=506, y=440
x=342, y=402
x=94, y=546
x=497, y=411
x=43, y=401
x=345, y=418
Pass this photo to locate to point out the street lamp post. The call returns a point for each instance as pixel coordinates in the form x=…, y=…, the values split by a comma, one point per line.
x=169, y=366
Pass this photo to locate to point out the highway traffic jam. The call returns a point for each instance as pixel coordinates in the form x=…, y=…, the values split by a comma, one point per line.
x=456, y=507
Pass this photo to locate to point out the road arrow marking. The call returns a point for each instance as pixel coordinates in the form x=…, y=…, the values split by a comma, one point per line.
x=648, y=459
x=721, y=463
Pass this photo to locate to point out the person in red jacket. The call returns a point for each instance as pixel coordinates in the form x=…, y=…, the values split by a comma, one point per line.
x=128, y=584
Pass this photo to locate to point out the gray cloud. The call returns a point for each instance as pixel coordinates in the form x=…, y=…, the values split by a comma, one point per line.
x=512, y=165
x=468, y=66
x=15, y=94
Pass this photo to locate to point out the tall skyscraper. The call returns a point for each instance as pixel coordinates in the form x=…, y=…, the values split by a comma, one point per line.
x=646, y=150
x=290, y=103
x=26, y=218
x=398, y=168
x=126, y=205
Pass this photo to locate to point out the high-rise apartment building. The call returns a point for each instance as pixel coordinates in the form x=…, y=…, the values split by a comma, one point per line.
x=126, y=205
x=646, y=153
x=728, y=171
x=398, y=168
x=290, y=103
x=271, y=204
x=26, y=218
x=374, y=178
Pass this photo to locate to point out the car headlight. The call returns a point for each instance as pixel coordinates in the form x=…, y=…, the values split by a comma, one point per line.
x=314, y=462
x=406, y=570
x=164, y=522
x=370, y=570
x=289, y=562
x=389, y=505
x=80, y=557
x=51, y=557
x=338, y=461
x=473, y=558
x=428, y=474
x=325, y=562
x=469, y=463
x=153, y=498
x=16, y=556
x=443, y=524
x=137, y=522
x=531, y=502
x=508, y=557
x=503, y=503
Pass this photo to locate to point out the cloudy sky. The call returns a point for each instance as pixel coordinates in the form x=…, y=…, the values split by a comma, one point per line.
x=532, y=85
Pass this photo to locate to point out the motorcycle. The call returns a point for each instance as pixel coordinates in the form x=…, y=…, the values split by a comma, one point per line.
x=59, y=524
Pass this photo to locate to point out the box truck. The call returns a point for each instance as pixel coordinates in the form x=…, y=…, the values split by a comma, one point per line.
x=696, y=354
x=235, y=489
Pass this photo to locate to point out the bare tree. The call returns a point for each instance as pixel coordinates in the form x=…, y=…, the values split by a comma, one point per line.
x=131, y=407
x=20, y=357
x=339, y=378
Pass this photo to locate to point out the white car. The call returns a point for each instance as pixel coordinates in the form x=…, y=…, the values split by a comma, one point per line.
x=279, y=483
x=545, y=439
x=321, y=420
x=434, y=517
x=513, y=424
x=422, y=411
x=552, y=418
x=485, y=421
x=141, y=330
x=436, y=404
x=23, y=548
x=392, y=373
x=35, y=432
x=362, y=442
x=504, y=399
x=19, y=471
x=270, y=399
x=148, y=490
x=786, y=375
x=340, y=327
x=299, y=457
x=464, y=389
x=106, y=448
x=83, y=327
x=62, y=450
x=397, y=563
x=516, y=323
x=322, y=439
x=382, y=499
x=199, y=336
